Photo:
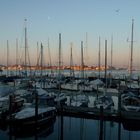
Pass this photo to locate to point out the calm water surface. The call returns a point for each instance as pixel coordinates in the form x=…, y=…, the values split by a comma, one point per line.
x=69, y=128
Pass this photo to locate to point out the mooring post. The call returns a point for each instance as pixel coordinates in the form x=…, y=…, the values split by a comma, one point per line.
x=10, y=106
x=101, y=123
x=62, y=125
x=119, y=104
x=97, y=91
x=36, y=106
x=138, y=80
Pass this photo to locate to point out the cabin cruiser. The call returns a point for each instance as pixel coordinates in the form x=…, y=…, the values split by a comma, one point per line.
x=79, y=100
x=28, y=118
x=60, y=98
x=105, y=101
x=130, y=102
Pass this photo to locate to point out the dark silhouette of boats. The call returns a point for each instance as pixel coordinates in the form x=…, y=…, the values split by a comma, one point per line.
x=43, y=130
x=131, y=125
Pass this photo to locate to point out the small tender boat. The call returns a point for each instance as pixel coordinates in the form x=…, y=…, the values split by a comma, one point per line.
x=60, y=98
x=81, y=99
x=105, y=101
x=130, y=102
x=4, y=104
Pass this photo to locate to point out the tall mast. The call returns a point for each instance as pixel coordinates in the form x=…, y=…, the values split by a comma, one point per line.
x=105, y=65
x=111, y=51
x=71, y=61
x=99, y=57
x=87, y=57
x=16, y=55
x=25, y=47
x=131, y=54
x=59, y=63
x=41, y=60
x=49, y=52
x=7, y=57
x=37, y=55
x=82, y=62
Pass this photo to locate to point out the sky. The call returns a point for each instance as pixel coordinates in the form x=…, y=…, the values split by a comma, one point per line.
x=74, y=19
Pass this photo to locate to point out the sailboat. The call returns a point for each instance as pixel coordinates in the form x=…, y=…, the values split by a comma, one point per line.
x=130, y=98
x=80, y=99
x=24, y=82
x=106, y=81
x=33, y=116
x=60, y=97
x=104, y=100
x=70, y=82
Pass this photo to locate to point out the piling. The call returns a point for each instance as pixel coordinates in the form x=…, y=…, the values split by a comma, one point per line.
x=119, y=104
x=62, y=125
x=10, y=106
x=101, y=123
x=36, y=111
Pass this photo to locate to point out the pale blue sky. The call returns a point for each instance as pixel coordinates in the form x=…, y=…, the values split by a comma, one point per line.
x=72, y=18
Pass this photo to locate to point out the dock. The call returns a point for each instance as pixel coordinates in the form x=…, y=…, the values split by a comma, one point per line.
x=94, y=113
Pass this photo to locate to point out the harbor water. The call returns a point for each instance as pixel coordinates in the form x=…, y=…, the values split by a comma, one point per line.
x=70, y=128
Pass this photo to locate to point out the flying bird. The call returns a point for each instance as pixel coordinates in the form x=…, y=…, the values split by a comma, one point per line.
x=117, y=10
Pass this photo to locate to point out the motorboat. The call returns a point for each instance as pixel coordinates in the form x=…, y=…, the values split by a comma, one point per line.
x=105, y=101
x=28, y=118
x=130, y=102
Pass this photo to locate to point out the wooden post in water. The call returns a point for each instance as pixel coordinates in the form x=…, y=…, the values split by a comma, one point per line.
x=36, y=107
x=10, y=107
x=10, y=116
x=119, y=104
x=119, y=130
x=138, y=80
x=97, y=91
x=101, y=123
x=62, y=125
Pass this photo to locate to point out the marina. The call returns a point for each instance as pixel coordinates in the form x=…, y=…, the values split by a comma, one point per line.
x=65, y=78
x=69, y=110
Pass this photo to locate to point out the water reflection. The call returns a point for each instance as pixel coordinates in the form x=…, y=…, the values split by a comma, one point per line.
x=37, y=132
x=70, y=128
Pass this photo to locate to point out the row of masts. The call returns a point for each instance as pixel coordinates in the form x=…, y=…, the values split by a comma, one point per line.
x=71, y=56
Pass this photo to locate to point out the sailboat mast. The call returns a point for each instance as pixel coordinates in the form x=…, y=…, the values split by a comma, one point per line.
x=25, y=48
x=131, y=54
x=82, y=62
x=41, y=60
x=49, y=56
x=59, y=63
x=37, y=55
x=71, y=61
x=105, y=64
x=7, y=57
x=99, y=57
x=111, y=52
x=16, y=55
